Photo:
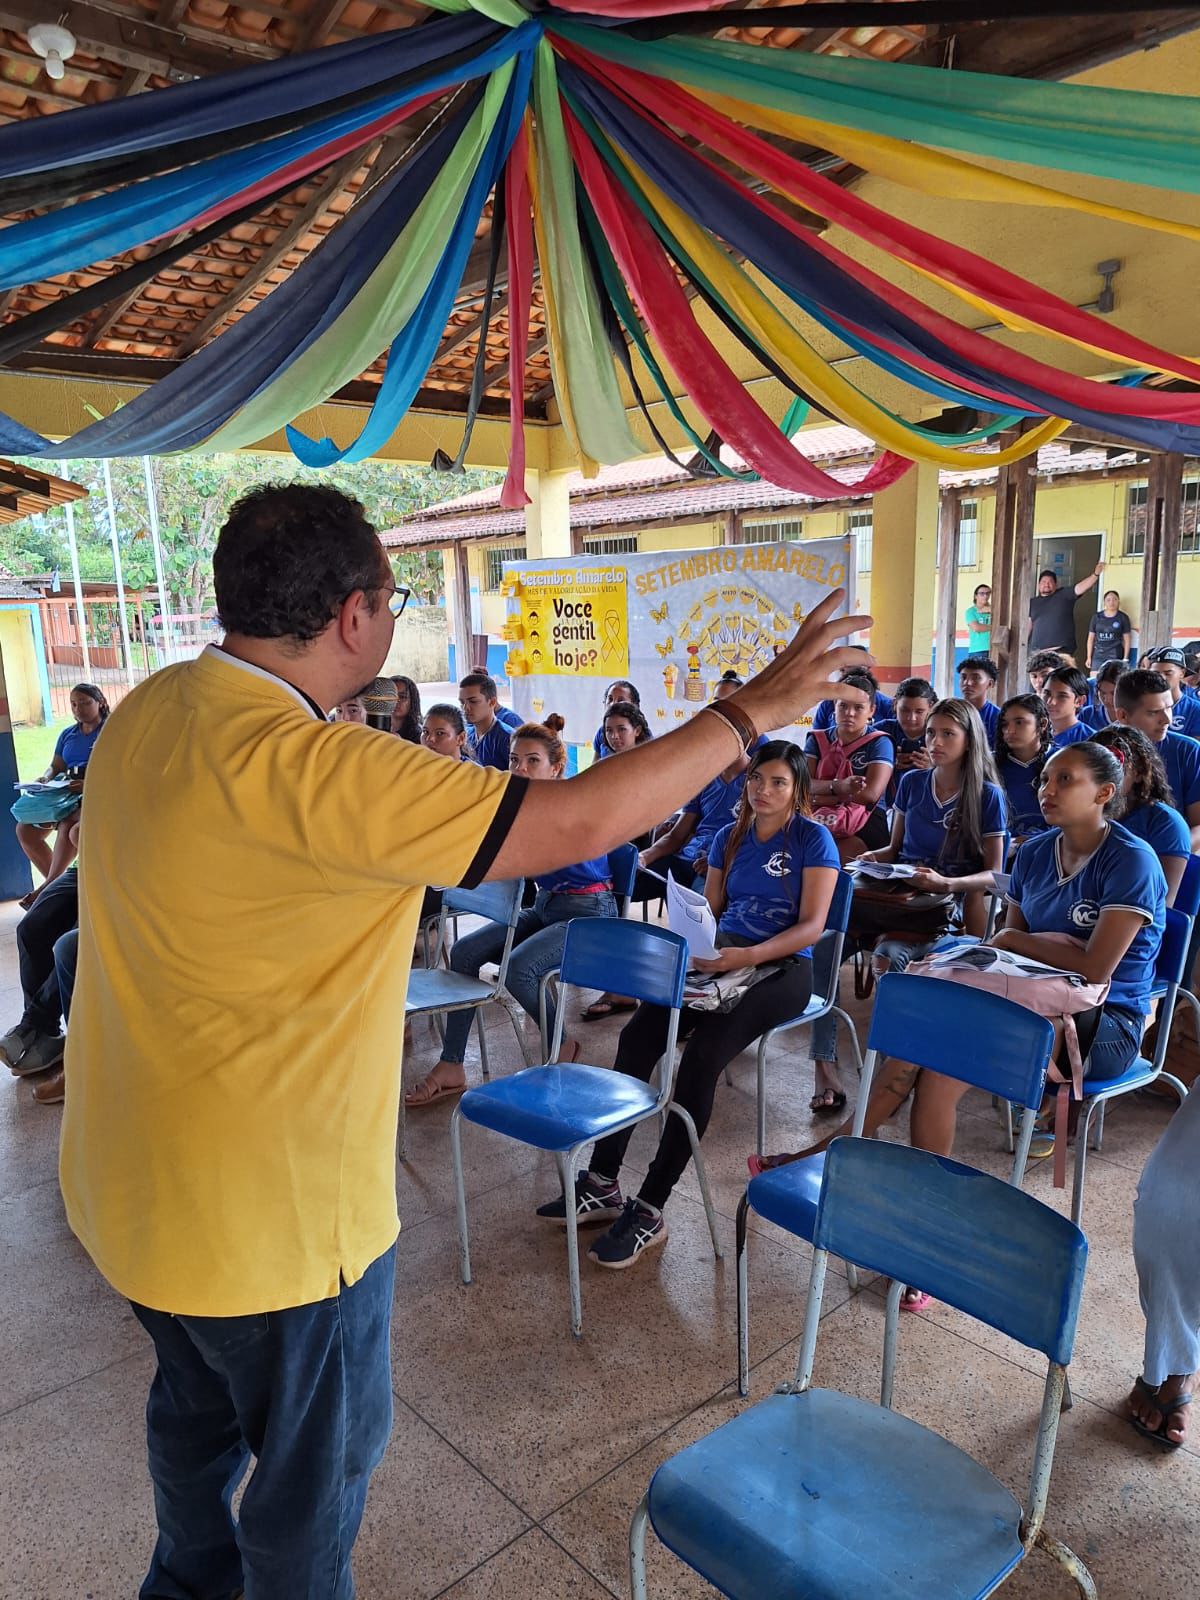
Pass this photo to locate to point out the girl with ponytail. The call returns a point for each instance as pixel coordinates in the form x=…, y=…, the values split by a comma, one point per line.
x=770, y=880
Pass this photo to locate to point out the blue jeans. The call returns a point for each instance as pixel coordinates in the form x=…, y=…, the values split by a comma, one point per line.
x=537, y=950
x=308, y=1392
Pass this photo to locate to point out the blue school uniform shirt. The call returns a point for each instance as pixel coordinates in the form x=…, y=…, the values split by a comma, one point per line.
x=765, y=881
x=510, y=718
x=1075, y=734
x=902, y=745
x=715, y=807
x=491, y=750
x=1122, y=873
x=926, y=822
x=74, y=747
x=1185, y=718
x=581, y=876
x=1161, y=827
x=880, y=749
x=1019, y=780
x=989, y=715
x=1095, y=716
x=823, y=716
x=1181, y=757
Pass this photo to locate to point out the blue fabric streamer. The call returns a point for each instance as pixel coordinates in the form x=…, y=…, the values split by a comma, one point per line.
x=415, y=346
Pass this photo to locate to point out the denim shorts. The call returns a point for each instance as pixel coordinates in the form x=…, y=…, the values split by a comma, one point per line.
x=1116, y=1045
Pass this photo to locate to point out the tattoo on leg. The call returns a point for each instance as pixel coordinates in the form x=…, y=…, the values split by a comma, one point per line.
x=900, y=1081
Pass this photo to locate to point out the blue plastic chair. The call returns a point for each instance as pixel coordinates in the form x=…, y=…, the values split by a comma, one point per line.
x=818, y=1494
x=967, y=1034
x=820, y=1005
x=564, y=1108
x=436, y=990
x=623, y=870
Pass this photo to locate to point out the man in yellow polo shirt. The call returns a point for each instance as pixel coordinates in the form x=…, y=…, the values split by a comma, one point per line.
x=251, y=878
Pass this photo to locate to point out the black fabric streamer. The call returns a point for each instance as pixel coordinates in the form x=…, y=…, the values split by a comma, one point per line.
x=474, y=399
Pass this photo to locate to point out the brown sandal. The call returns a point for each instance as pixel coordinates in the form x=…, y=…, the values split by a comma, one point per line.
x=427, y=1089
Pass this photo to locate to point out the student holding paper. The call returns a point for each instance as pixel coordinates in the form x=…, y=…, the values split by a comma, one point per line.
x=770, y=882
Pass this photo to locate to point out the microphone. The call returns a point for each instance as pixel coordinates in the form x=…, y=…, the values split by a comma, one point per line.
x=379, y=701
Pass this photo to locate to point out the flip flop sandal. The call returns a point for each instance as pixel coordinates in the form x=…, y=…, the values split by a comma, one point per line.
x=921, y=1302
x=431, y=1091
x=821, y=1107
x=1168, y=1408
x=599, y=1009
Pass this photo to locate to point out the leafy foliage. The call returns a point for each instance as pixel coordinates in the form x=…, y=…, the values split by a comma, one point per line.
x=194, y=494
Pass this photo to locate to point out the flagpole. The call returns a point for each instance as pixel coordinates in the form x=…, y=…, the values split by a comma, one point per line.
x=80, y=612
x=168, y=646
x=116, y=555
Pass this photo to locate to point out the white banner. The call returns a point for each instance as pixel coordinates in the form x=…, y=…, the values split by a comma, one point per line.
x=692, y=615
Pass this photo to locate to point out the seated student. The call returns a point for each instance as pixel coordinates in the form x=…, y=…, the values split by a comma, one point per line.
x=770, y=883
x=976, y=680
x=504, y=714
x=949, y=822
x=623, y=727
x=351, y=710
x=621, y=692
x=851, y=767
x=730, y=683
x=1023, y=745
x=34, y=1043
x=584, y=890
x=824, y=714
x=72, y=751
x=444, y=732
x=1171, y=663
x=50, y=1088
x=1085, y=896
x=1065, y=694
x=915, y=699
x=683, y=849
x=488, y=739
x=1099, y=713
x=1191, y=673
x=1041, y=664
x=406, y=713
x=1145, y=808
x=1143, y=701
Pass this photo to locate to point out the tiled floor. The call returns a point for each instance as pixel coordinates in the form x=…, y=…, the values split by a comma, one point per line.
x=518, y=1454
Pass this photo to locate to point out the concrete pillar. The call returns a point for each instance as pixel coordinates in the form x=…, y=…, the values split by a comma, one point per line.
x=16, y=878
x=947, y=592
x=903, y=561
x=458, y=607
x=548, y=515
x=1004, y=628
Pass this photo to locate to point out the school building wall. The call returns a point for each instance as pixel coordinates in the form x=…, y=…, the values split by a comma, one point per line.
x=24, y=668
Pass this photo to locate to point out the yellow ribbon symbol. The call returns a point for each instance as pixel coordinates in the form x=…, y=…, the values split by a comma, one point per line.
x=611, y=643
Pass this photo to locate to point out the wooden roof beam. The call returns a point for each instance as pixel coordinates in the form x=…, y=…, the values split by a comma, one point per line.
x=130, y=42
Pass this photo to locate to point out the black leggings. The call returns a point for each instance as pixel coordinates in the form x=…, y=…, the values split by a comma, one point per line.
x=714, y=1038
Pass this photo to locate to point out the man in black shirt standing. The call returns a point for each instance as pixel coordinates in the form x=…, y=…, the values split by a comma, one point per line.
x=1052, y=613
x=1109, y=634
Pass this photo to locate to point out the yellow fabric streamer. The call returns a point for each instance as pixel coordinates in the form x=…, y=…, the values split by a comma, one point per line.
x=929, y=171
x=809, y=369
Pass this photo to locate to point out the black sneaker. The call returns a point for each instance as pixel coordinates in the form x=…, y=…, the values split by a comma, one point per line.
x=595, y=1204
x=636, y=1229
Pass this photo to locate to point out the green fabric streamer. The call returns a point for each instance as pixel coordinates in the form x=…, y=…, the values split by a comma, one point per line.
x=506, y=12
x=590, y=379
x=387, y=300
x=1143, y=138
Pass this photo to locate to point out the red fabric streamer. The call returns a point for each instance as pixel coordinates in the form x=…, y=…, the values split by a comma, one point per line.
x=519, y=214
x=714, y=387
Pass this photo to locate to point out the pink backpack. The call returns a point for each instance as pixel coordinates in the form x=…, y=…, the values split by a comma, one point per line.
x=843, y=818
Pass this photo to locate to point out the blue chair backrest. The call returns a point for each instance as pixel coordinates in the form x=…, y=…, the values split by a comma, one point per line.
x=1187, y=896
x=623, y=869
x=966, y=1238
x=498, y=902
x=631, y=958
x=964, y=1033
x=1172, y=952
x=838, y=919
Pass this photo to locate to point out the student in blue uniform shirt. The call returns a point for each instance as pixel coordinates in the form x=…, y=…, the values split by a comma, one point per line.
x=1143, y=701
x=1171, y=663
x=1085, y=896
x=850, y=767
x=770, y=883
x=1098, y=712
x=683, y=849
x=1145, y=808
x=623, y=727
x=621, y=691
x=915, y=699
x=488, y=739
x=1023, y=744
x=976, y=680
x=823, y=716
x=1066, y=694
x=583, y=890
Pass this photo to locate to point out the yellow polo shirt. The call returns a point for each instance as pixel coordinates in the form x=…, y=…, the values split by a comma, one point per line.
x=251, y=878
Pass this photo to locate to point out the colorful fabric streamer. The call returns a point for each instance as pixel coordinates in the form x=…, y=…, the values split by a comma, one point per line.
x=635, y=176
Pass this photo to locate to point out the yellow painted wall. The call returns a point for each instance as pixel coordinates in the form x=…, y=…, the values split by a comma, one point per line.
x=696, y=536
x=21, y=666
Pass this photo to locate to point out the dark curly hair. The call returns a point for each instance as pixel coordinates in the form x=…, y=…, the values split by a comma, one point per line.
x=1141, y=761
x=289, y=555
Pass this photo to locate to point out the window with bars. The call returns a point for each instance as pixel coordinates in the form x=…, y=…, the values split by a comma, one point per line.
x=862, y=525
x=1135, y=518
x=621, y=545
x=493, y=564
x=772, y=530
x=968, y=533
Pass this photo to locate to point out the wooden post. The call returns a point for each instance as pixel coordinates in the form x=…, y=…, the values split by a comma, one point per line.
x=1164, y=517
x=1025, y=473
x=731, y=533
x=1002, y=601
x=947, y=594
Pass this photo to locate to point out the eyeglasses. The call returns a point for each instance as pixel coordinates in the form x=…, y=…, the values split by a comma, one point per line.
x=397, y=597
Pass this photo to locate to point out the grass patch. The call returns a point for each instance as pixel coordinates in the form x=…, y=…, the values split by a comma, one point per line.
x=35, y=746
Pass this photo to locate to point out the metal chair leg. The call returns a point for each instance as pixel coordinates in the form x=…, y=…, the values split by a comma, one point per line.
x=1008, y=1127
x=1070, y=1563
x=743, y=1297
x=637, y=1549
x=566, y=1167
x=761, y=1106
x=1098, y=1136
x=701, y=1175
x=460, y=1193
x=1081, y=1140
x=402, y=1130
x=483, y=1057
